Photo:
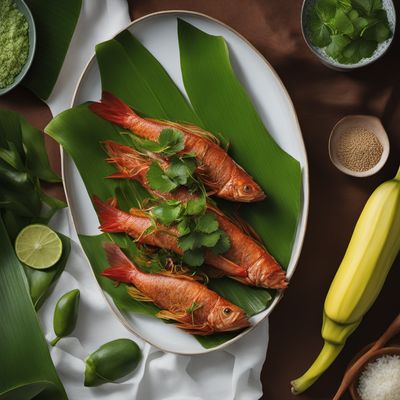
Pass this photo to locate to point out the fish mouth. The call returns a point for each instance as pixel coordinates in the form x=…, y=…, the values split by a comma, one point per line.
x=241, y=323
x=249, y=198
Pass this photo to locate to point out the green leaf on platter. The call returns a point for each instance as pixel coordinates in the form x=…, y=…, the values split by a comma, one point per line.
x=222, y=245
x=341, y=23
x=206, y=69
x=26, y=368
x=181, y=169
x=206, y=223
x=359, y=24
x=196, y=206
x=158, y=179
x=325, y=9
x=55, y=23
x=145, y=75
x=320, y=34
x=337, y=45
x=171, y=140
x=209, y=239
x=357, y=50
x=189, y=242
x=183, y=227
x=167, y=212
x=194, y=258
x=40, y=281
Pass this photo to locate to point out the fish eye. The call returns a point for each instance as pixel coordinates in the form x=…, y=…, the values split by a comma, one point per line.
x=247, y=189
x=227, y=311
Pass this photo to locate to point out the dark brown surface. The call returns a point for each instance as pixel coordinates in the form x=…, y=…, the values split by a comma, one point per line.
x=321, y=97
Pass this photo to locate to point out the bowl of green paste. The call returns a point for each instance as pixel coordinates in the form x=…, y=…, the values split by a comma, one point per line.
x=17, y=43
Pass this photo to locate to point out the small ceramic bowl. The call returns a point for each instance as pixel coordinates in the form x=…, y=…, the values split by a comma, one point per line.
x=353, y=388
x=368, y=122
x=330, y=62
x=32, y=46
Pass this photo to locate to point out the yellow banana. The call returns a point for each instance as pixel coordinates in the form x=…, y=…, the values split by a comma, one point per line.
x=372, y=249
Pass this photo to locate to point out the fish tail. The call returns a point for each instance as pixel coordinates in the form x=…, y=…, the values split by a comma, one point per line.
x=111, y=218
x=121, y=268
x=113, y=109
x=130, y=163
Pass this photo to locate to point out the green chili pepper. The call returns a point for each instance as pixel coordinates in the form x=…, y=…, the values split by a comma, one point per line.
x=111, y=361
x=65, y=315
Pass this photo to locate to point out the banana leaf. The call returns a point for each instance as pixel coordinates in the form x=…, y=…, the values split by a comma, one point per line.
x=55, y=23
x=223, y=105
x=129, y=71
x=26, y=368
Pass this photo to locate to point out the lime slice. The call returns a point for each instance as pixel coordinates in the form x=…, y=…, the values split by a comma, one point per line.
x=38, y=246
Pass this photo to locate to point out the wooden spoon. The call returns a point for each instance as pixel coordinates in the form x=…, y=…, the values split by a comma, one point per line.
x=353, y=372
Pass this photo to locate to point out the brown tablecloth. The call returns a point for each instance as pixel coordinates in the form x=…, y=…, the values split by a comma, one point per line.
x=321, y=97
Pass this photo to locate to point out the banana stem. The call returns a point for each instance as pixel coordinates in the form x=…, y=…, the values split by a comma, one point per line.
x=326, y=357
x=397, y=177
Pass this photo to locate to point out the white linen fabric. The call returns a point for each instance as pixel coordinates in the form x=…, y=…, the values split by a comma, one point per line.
x=229, y=374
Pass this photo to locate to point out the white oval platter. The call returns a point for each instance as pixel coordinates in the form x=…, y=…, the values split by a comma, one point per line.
x=158, y=32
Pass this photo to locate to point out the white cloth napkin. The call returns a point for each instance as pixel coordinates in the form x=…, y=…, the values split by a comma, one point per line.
x=229, y=374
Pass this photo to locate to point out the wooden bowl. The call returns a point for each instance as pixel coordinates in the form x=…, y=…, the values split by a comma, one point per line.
x=394, y=350
x=368, y=122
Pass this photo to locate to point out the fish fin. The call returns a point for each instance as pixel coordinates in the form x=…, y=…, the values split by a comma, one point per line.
x=187, y=128
x=114, y=110
x=179, y=316
x=136, y=294
x=136, y=212
x=121, y=268
x=203, y=329
x=111, y=218
x=213, y=272
x=119, y=175
x=227, y=266
x=178, y=275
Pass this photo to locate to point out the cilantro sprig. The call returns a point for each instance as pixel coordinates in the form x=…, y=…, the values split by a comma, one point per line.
x=198, y=228
x=170, y=142
x=348, y=30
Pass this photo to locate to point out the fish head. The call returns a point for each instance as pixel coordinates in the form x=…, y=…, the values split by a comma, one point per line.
x=241, y=187
x=225, y=316
x=267, y=273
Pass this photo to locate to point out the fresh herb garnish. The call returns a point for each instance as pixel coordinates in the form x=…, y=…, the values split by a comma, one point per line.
x=170, y=142
x=198, y=228
x=348, y=30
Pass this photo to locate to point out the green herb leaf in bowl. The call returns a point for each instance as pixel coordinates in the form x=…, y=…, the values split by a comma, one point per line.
x=348, y=30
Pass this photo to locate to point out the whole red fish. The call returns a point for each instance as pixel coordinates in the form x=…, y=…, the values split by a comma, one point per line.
x=220, y=173
x=262, y=269
x=138, y=224
x=196, y=308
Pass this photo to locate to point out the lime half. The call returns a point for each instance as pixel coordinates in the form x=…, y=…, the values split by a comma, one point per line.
x=38, y=246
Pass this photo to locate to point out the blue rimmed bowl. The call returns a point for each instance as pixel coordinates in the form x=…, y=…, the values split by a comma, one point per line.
x=21, y=5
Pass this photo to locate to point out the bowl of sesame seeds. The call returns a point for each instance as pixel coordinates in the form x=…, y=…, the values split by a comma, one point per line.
x=359, y=145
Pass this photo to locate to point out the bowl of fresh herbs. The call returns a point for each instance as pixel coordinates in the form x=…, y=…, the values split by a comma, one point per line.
x=348, y=34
